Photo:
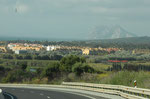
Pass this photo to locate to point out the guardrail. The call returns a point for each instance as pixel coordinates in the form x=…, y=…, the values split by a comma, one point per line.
x=124, y=91
x=1, y=94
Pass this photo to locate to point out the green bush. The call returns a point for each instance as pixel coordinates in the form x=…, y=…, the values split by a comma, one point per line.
x=68, y=61
x=16, y=76
x=80, y=68
x=127, y=78
x=51, y=71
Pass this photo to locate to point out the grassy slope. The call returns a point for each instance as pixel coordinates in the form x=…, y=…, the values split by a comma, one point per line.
x=127, y=78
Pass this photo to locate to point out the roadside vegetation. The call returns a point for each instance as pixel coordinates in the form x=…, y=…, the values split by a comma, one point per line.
x=73, y=68
x=24, y=71
x=54, y=67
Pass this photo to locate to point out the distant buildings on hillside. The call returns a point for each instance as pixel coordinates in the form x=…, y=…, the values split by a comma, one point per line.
x=52, y=47
x=3, y=49
x=86, y=51
x=141, y=51
x=20, y=48
x=97, y=51
x=20, y=51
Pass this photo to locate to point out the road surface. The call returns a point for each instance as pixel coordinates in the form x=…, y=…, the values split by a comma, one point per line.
x=26, y=93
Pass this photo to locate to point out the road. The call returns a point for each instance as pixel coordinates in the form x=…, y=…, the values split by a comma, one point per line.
x=24, y=93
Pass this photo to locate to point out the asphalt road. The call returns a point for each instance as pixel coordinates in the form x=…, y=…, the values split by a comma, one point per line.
x=24, y=93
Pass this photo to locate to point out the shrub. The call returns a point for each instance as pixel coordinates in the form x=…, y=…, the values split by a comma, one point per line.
x=127, y=78
x=69, y=61
x=51, y=71
x=16, y=76
x=80, y=68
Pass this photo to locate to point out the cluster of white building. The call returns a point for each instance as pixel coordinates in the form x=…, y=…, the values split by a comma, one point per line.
x=52, y=47
x=24, y=47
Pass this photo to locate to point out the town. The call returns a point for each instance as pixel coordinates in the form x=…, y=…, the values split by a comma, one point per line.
x=23, y=48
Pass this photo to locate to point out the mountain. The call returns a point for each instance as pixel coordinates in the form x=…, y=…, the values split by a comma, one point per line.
x=109, y=32
x=7, y=38
x=127, y=40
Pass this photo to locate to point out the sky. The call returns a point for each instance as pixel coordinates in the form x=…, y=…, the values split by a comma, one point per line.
x=71, y=18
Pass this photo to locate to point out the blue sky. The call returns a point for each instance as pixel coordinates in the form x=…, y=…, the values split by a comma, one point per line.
x=71, y=18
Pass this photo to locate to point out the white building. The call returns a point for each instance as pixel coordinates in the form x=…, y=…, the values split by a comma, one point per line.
x=10, y=46
x=20, y=51
x=52, y=48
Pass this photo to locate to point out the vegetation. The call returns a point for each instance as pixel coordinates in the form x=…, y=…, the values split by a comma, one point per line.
x=125, y=43
x=22, y=70
x=127, y=78
x=73, y=68
x=61, y=65
x=32, y=57
x=80, y=68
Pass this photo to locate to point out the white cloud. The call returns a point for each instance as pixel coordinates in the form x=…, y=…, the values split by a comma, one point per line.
x=22, y=8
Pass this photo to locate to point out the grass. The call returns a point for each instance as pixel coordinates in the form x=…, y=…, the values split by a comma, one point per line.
x=127, y=78
x=105, y=77
x=10, y=63
x=100, y=66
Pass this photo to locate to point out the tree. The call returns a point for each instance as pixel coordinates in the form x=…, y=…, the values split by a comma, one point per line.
x=16, y=76
x=80, y=68
x=45, y=57
x=27, y=57
x=7, y=56
x=39, y=71
x=23, y=66
x=68, y=61
x=2, y=70
x=18, y=56
x=55, y=57
x=51, y=71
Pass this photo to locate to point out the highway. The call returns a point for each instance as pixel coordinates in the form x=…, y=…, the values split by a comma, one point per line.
x=76, y=91
x=27, y=93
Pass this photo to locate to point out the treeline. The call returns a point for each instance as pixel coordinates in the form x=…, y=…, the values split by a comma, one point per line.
x=121, y=58
x=29, y=63
x=129, y=67
x=125, y=43
x=31, y=57
x=69, y=64
x=133, y=67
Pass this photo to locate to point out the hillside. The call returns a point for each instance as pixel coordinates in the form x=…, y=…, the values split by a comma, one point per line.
x=109, y=32
x=136, y=40
x=126, y=43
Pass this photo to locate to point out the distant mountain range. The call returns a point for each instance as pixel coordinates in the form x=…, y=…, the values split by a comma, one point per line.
x=134, y=40
x=109, y=32
x=7, y=38
x=125, y=43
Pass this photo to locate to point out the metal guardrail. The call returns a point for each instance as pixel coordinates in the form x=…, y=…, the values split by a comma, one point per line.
x=124, y=91
x=1, y=94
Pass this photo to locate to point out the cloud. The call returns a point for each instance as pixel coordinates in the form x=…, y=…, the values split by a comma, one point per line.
x=99, y=9
x=9, y=7
x=72, y=13
x=21, y=8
